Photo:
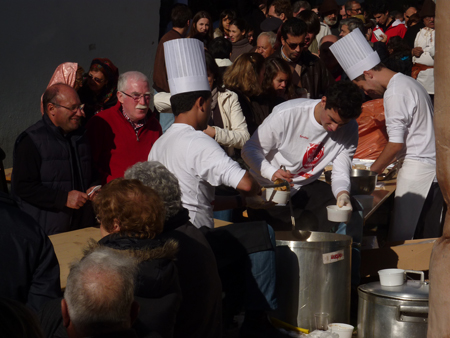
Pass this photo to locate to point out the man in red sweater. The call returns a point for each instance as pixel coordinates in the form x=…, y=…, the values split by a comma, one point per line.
x=386, y=23
x=124, y=134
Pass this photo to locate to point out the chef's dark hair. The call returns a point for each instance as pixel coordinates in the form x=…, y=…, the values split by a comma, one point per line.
x=376, y=68
x=346, y=98
x=182, y=103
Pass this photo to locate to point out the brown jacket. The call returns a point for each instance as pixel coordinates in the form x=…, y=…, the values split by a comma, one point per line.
x=314, y=77
x=160, y=83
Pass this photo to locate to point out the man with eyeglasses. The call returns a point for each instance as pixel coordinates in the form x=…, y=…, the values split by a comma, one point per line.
x=352, y=8
x=52, y=165
x=309, y=74
x=124, y=134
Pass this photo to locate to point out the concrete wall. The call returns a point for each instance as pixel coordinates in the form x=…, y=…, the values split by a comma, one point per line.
x=37, y=36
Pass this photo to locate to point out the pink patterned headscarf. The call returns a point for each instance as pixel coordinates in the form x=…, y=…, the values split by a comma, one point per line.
x=64, y=73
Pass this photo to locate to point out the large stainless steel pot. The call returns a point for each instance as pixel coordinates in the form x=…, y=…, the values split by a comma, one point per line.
x=313, y=276
x=393, y=311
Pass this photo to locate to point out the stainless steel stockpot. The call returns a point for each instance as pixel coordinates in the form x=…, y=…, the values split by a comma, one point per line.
x=393, y=311
x=313, y=275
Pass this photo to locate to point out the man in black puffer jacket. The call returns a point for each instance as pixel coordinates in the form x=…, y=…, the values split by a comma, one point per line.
x=52, y=165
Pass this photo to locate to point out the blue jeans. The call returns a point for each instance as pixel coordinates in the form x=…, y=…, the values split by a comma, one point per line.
x=354, y=228
x=166, y=120
x=224, y=215
x=261, y=279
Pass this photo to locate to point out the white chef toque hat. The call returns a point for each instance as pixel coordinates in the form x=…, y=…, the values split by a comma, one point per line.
x=186, y=66
x=354, y=54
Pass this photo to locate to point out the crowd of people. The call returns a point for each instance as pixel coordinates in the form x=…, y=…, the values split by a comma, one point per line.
x=275, y=93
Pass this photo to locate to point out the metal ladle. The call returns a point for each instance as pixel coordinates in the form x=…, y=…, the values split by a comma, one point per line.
x=302, y=235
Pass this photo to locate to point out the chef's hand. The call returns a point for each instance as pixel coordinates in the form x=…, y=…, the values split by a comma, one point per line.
x=285, y=175
x=76, y=199
x=343, y=199
x=257, y=202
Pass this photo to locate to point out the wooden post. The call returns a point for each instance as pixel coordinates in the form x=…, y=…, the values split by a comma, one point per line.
x=439, y=315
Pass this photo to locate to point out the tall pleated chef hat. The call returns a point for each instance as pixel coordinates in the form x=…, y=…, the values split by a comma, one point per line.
x=186, y=66
x=354, y=54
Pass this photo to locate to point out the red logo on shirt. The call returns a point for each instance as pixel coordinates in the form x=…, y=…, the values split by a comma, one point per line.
x=306, y=138
x=312, y=156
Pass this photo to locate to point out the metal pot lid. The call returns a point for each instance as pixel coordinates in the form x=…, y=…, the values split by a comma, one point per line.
x=411, y=290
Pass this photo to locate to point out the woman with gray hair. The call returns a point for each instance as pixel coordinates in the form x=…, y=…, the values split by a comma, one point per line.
x=200, y=312
x=245, y=261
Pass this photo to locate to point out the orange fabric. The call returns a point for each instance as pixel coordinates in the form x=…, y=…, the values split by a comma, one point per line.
x=372, y=130
x=417, y=68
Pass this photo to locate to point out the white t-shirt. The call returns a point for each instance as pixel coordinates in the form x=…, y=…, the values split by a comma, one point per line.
x=292, y=137
x=199, y=163
x=409, y=118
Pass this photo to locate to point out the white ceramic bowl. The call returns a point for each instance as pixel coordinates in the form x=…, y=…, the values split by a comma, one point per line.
x=343, y=330
x=336, y=214
x=392, y=277
x=279, y=197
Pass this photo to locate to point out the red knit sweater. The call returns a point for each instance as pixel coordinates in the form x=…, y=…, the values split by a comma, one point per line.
x=115, y=146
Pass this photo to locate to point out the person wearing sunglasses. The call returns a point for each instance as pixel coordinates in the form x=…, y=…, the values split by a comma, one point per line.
x=309, y=75
x=124, y=134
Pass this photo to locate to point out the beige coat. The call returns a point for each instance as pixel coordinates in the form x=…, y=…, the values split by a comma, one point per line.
x=235, y=132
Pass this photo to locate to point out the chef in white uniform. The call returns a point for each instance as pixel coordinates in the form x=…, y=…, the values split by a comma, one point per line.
x=409, y=123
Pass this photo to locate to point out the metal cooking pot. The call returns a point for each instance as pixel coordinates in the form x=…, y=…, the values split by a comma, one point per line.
x=393, y=311
x=363, y=182
x=313, y=275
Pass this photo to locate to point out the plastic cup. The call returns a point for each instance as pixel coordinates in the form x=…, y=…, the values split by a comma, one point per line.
x=343, y=330
x=321, y=319
x=279, y=197
x=392, y=277
x=336, y=214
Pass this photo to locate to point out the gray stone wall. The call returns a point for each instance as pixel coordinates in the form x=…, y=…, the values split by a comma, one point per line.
x=38, y=35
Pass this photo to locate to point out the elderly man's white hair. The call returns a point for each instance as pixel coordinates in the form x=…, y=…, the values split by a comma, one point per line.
x=271, y=36
x=100, y=291
x=156, y=176
x=133, y=75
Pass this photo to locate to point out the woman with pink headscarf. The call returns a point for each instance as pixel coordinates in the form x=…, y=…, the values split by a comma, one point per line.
x=70, y=73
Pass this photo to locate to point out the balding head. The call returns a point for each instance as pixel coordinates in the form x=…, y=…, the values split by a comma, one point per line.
x=63, y=107
x=409, y=11
x=99, y=295
x=328, y=38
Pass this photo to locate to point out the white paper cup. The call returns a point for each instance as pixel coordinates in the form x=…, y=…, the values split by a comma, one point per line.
x=336, y=214
x=279, y=197
x=392, y=277
x=343, y=330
